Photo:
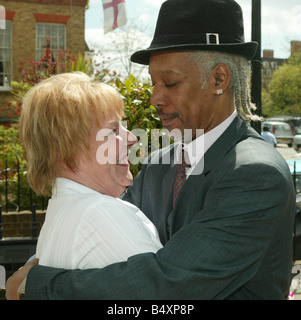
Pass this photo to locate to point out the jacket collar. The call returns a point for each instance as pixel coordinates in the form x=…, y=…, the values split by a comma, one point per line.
x=234, y=133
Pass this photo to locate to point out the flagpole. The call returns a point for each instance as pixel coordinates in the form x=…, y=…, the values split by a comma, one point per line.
x=256, y=63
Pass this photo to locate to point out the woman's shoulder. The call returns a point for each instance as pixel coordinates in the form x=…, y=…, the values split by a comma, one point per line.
x=101, y=206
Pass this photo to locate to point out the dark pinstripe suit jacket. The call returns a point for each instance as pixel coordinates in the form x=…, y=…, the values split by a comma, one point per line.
x=228, y=237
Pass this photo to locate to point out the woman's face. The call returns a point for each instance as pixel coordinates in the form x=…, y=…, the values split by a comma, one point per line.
x=106, y=169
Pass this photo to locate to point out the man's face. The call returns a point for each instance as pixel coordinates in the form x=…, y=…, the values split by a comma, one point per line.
x=180, y=101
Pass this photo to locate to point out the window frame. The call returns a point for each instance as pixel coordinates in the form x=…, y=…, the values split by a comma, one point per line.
x=38, y=58
x=9, y=72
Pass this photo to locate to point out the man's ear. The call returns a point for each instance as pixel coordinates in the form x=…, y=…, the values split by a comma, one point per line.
x=222, y=77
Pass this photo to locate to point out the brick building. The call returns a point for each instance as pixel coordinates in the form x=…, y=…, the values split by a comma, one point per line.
x=27, y=24
x=270, y=64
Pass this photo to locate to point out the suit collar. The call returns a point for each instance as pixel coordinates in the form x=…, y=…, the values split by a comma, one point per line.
x=227, y=141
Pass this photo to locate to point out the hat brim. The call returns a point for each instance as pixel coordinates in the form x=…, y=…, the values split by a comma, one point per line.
x=247, y=50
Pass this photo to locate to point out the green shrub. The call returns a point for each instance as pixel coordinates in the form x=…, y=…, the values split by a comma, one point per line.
x=139, y=113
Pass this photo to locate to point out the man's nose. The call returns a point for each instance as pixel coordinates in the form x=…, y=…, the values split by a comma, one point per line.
x=157, y=98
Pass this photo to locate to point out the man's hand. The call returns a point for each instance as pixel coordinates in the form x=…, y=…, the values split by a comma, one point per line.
x=13, y=283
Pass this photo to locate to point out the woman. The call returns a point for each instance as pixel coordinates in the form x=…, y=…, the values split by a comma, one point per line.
x=76, y=146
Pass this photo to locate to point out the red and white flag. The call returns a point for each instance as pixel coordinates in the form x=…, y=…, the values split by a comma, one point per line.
x=114, y=14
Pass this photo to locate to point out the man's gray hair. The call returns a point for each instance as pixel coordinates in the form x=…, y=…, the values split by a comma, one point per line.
x=240, y=75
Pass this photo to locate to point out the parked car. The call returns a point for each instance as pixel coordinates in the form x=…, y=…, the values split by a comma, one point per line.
x=297, y=143
x=293, y=121
x=281, y=130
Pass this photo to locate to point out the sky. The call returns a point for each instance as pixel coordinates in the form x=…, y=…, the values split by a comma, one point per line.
x=281, y=23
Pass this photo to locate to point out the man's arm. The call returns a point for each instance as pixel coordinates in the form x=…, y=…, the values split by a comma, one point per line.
x=214, y=256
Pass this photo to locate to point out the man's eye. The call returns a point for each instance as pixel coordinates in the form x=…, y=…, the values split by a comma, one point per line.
x=170, y=85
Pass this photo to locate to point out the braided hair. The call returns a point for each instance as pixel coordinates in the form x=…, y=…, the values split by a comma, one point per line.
x=240, y=76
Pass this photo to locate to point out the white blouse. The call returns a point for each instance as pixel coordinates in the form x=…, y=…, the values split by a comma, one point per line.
x=86, y=229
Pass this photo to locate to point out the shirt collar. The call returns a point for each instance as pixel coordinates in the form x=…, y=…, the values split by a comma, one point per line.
x=195, y=150
x=65, y=187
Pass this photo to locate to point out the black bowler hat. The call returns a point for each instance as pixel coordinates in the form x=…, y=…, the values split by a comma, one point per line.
x=211, y=25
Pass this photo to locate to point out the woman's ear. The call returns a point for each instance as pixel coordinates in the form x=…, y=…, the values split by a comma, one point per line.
x=222, y=78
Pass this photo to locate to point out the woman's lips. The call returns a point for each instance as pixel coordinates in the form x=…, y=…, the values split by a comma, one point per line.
x=124, y=163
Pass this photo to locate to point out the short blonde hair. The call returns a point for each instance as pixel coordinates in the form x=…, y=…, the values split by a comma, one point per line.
x=56, y=121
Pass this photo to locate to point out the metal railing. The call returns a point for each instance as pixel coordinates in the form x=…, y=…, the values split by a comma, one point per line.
x=15, y=193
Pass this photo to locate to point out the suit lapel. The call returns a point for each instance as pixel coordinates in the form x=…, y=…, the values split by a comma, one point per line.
x=167, y=173
x=193, y=193
x=167, y=186
x=226, y=142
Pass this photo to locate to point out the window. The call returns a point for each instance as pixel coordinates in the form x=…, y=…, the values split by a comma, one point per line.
x=51, y=37
x=274, y=66
x=2, y=17
x=6, y=56
x=269, y=72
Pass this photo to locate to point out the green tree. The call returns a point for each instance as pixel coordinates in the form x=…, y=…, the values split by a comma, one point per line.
x=10, y=149
x=285, y=89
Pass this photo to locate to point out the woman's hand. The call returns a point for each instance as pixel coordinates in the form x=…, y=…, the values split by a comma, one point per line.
x=13, y=283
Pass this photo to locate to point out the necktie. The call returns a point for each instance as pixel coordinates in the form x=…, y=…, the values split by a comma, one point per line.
x=180, y=178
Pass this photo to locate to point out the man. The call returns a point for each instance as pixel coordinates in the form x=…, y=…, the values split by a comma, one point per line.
x=268, y=136
x=229, y=233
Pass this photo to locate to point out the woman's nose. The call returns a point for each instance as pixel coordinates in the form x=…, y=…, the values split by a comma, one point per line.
x=131, y=138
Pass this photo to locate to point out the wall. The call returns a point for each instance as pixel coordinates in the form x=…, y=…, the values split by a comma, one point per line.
x=24, y=26
x=295, y=47
x=19, y=224
x=24, y=15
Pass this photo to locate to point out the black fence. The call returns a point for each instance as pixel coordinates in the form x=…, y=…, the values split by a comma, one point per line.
x=16, y=196
x=15, y=193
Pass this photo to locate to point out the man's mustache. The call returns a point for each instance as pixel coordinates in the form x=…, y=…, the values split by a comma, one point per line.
x=167, y=116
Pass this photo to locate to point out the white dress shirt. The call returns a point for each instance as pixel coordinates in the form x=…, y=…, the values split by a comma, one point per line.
x=86, y=229
x=196, y=149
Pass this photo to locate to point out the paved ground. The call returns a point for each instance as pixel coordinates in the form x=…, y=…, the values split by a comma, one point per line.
x=296, y=282
x=286, y=152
